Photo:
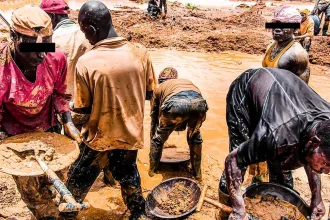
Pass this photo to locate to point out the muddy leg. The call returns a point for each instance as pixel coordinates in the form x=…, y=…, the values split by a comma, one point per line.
x=195, y=141
x=163, y=131
x=122, y=164
x=36, y=195
x=82, y=175
x=108, y=178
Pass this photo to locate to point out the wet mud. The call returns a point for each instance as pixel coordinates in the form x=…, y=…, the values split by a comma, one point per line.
x=177, y=201
x=267, y=207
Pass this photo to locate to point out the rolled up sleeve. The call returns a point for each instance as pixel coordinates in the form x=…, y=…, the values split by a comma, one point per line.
x=82, y=91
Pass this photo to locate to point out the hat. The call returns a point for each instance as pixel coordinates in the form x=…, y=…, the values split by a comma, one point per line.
x=287, y=14
x=26, y=19
x=168, y=73
x=55, y=6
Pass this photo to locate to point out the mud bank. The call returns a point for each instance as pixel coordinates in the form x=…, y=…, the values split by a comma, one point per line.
x=208, y=30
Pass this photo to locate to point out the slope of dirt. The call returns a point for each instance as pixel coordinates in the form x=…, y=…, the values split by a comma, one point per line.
x=207, y=30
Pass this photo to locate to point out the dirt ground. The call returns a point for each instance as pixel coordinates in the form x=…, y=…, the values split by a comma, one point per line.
x=185, y=29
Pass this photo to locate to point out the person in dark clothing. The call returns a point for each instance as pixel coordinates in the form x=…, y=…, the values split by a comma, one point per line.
x=274, y=116
x=153, y=9
x=162, y=3
x=323, y=6
x=176, y=104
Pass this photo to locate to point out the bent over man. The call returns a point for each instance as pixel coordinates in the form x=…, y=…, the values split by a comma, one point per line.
x=32, y=91
x=176, y=104
x=274, y=116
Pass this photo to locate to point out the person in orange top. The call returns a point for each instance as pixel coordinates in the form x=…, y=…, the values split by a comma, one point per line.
x=112, y=82
x=306, y=32
x=285, y=52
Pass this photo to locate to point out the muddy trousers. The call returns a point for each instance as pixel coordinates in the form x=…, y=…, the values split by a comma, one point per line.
x=161, y=4
x=169, y=122
x=121, y=163
x=35, y=191
x=37, y=196
x=325, y=8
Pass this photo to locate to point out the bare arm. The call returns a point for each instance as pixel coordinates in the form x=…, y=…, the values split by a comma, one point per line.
x=317, y=206
x=234, y=177
x=296, y=61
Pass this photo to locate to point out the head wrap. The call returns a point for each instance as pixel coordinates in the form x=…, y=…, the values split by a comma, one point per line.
x=168, y=73
x=25, y=19
x=304, y=11
x=55, y=6
x=287, y=14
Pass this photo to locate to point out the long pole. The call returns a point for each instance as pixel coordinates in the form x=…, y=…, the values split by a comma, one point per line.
x=4, y=20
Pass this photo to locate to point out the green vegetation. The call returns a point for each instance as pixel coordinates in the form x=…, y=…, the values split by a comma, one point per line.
x=191, y=6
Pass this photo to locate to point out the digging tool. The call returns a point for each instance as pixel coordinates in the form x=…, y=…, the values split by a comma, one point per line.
x=70, y=204
x=4, y=20
x=219, y=205
x=203, y=198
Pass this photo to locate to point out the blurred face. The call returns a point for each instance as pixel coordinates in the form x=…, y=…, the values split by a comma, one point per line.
x=282, y=34
x=33, y=58
x=303, y=17
x=318, y=162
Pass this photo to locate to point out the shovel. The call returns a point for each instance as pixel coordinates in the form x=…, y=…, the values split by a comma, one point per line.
x=70, y=204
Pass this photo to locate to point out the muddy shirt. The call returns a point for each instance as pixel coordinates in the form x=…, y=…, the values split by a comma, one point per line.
x=113, y=78
x=27, y=106
x=71, y=40
x=282, y=108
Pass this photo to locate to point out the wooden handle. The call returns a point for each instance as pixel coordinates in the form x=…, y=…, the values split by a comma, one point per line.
x=219, y=205
x=201, y=199
x=73, y=207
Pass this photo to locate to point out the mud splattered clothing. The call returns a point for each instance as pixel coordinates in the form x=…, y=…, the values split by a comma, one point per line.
x=177, y=103
x=268, y=119
x=122, y=165
x=324, y=7
x=113, y=79
x=153, y=9
x=27, y=106
x=116, y=89
x=38, y=198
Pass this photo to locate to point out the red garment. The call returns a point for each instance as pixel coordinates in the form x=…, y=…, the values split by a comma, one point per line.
x=26, y=106
x=55, y=6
